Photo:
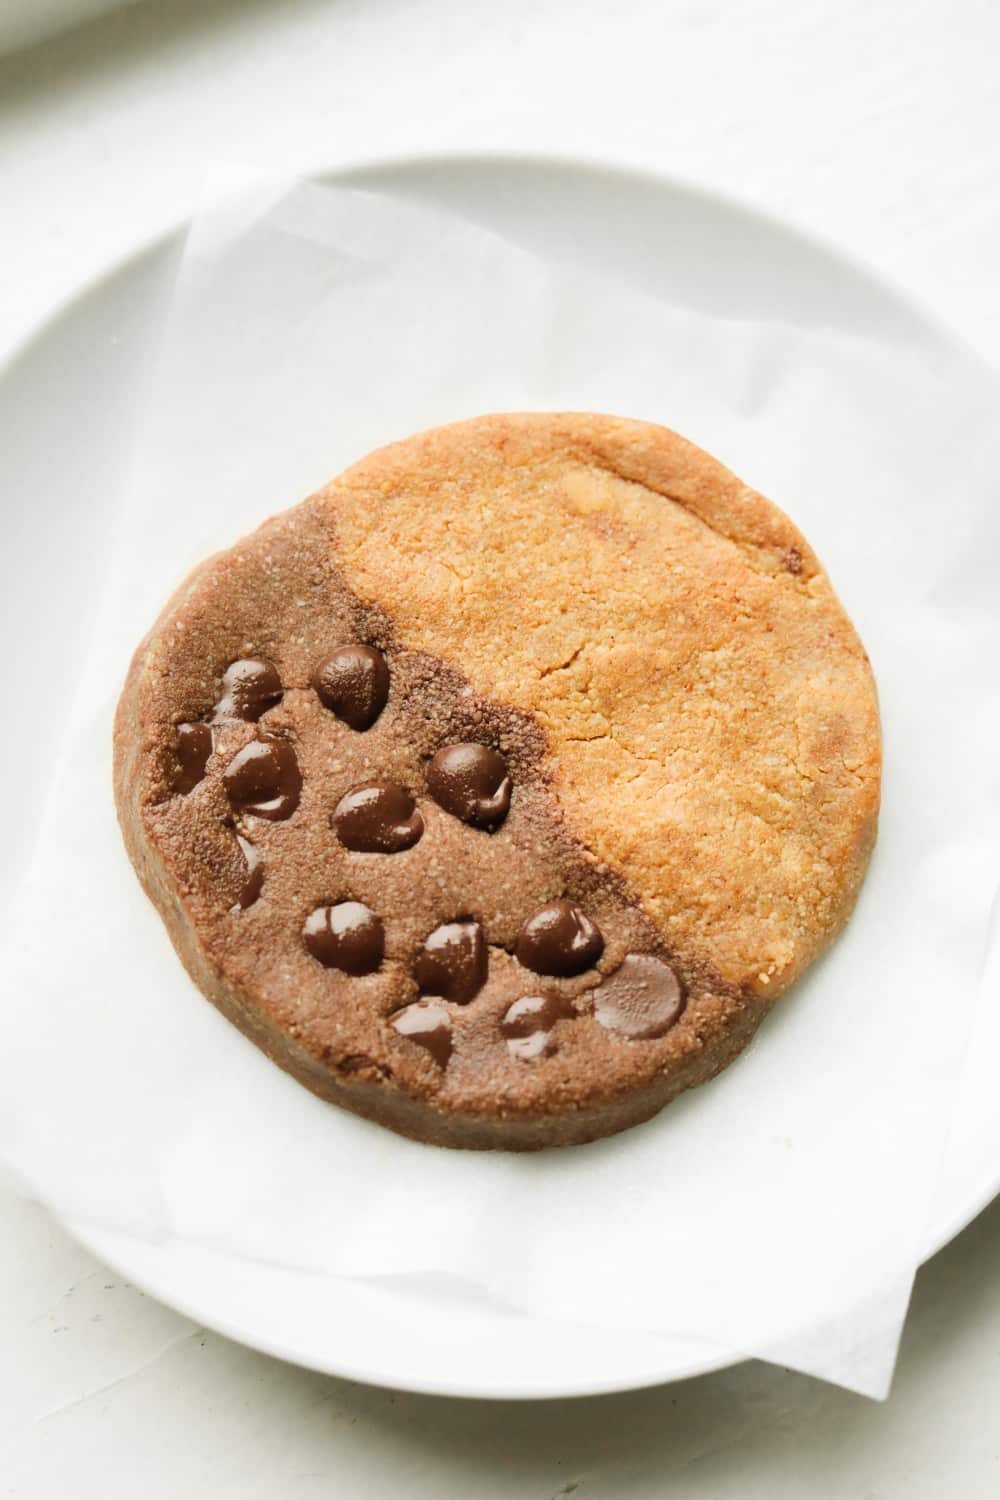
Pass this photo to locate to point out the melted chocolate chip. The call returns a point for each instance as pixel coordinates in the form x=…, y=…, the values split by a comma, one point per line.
x=471, y=782
x=641, y=999
x=378, y=817
x=254, y=879
x=264, y=779
x=249, y=689
x=427, y=1023
x=559, y=939
x=528, y=1025
x=347, y=936
x=534, y=1013
x=353, y=683
x=453, y=962
x=194, y=746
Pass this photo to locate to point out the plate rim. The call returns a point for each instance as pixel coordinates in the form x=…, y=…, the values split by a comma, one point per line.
x=96, y=1241
x=640, y=178
x=595, y=164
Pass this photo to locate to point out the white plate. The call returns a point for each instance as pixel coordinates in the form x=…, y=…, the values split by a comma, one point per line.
x=75, y=380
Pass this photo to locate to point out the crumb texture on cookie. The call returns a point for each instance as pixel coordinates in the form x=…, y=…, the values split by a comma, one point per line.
x=710, y=711
x=496, y=790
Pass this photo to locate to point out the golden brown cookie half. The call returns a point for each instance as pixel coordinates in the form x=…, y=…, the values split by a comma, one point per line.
x=497, y=790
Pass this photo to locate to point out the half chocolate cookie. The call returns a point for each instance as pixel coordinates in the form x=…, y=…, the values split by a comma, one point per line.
x=499, y=789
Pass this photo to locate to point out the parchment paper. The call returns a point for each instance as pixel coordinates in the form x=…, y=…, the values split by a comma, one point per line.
x=781, y=1211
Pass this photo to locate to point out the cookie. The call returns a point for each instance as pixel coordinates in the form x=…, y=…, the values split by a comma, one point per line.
x=499, y=789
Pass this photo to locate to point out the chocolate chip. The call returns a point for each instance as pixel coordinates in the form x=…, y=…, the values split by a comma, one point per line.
x=194, y=746
x=427, y=1023
x=528, y=1024
x=254, y=878
x=559, y=939
x=471, y=782
x=346, y=936
x=249, y=689
x=641, y=999
x=264, y=779
x=378, y=817
x=453, y=962
x=353, y=683
x=534, y=1013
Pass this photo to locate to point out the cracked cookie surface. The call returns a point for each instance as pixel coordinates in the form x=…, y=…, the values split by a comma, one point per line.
x=497, y=789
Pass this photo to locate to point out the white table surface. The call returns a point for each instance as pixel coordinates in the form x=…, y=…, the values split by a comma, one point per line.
x=874, y=123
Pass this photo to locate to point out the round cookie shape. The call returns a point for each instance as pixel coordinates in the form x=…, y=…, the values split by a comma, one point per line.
x=627, y=794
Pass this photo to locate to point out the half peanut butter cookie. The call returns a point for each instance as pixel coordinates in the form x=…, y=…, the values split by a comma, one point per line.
x=499, y=789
